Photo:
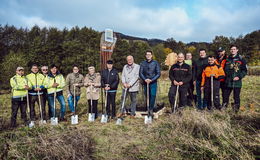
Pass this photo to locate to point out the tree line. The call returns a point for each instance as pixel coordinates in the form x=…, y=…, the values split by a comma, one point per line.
x=81, y=46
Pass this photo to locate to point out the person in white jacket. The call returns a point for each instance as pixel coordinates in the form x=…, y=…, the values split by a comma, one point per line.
x=130, y=81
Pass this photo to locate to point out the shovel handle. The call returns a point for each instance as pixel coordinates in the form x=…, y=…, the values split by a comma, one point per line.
x=176, y=98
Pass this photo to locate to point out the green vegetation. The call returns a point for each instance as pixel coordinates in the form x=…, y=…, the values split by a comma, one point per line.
x=187, y=135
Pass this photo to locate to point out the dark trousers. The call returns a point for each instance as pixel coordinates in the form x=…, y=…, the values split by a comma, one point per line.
x=16, y=104
x=201, y=102
x=94, y=107
x=216, y=98
x=33, y=100
x=236, y=96
x=222, y=88
x=44, y=100
x=182, y=95
x=111, y=101
x=190, y=96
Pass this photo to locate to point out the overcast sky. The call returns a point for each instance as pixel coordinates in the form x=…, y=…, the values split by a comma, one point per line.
x=183, y=20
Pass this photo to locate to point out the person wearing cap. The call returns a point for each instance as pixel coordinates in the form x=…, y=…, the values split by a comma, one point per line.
x=110, y=81
x=55, y=82
x=44, y=71
x=92, y=84
x=36, y=80
x=130, y=81
x=20, y=87
x=236, y=70
x=74, y=79
x=221, y=60
x=190, y=96
x=149, y=73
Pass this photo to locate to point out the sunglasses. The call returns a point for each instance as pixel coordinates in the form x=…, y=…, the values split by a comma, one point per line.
x=44, y=69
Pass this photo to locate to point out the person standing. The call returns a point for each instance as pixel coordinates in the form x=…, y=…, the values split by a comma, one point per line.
x=55, y=83
x=190, y=96
x=74, y=79
x=130, y=81
x=236, y=70
x=180, y=75
x=92, y=83
x=149, y=73
x=110, y=81
x=44, y=70
x=221, y=60
x=20, y=88
x=216, y=71
x=199, y=65
x=36, y=80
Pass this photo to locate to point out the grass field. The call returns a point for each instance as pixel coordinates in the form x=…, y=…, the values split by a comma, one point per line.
x=190, y=134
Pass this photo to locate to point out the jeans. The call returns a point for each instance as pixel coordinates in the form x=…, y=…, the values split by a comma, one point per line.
x=71, y=102
x=61, y=100
x=152, y=94
x=200, y=104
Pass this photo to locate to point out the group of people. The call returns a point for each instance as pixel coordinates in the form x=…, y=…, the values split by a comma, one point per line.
x=207, y=74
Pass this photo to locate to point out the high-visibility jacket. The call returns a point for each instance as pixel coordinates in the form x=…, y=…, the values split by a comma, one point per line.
x=214, y=69
x=18, y=83
x=50, y=80
x=36, y=80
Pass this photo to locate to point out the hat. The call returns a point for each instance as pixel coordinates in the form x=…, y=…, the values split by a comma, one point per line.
x=19, y=68
x=220, y=49
x=109, y=62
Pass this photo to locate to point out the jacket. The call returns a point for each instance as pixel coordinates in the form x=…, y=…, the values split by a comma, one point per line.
x=110, y=77
x=71, y=79
x=18, y=83
x=209, y=70
x=199, y=65
x=235, y=67
x=180, y=73
x=51, y=79
x=92, y=91
x=130, y=75
x=35, y=80
x=150, y=70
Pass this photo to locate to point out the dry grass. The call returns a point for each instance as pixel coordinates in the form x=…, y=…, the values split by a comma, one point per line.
x=186, y=135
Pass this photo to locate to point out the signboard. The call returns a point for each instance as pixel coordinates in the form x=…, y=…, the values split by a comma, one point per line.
x=109, y=35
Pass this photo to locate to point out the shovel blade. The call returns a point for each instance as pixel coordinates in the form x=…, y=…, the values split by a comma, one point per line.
x=54, y=121
x=119, y=121
x=148, y=120
x=31, y=124
x=42, y=122
x=91, y=117
x=104, y=118
x=74, y=119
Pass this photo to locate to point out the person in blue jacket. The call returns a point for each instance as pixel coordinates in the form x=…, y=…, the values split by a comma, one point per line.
x=149, y=73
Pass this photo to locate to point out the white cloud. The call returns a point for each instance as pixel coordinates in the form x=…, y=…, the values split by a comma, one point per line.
x=123, y=16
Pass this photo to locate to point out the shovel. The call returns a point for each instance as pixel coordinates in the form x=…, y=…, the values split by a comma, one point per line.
x=54, y=119
x=104, y=117
x=211, y=81
x=148, y=118
x=41, y=122
x=176, y=98
x=120, y=118
x=91, y=115
x=74, y=117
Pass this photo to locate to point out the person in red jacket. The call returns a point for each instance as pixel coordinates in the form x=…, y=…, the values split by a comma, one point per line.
x=217, y=72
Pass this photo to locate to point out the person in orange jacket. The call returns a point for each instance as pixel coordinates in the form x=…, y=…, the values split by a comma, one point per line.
x=217, y=72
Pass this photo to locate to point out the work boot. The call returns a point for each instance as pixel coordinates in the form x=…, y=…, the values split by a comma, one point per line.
x=236, y=107
x=224, y=106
